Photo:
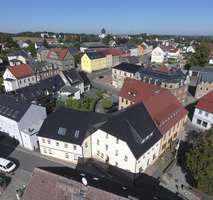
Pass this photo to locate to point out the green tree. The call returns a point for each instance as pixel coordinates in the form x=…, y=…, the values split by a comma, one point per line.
x=199, y=160
x=45, y=43
x=201, y=55
x=106, y=103
x=32, y=49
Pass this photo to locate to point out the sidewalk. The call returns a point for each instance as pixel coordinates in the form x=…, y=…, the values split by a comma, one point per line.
x=20, y=178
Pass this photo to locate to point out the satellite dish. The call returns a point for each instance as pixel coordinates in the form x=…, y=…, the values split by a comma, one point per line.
x=84, y=181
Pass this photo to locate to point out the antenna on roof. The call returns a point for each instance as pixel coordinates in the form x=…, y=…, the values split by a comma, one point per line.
x=84, y=181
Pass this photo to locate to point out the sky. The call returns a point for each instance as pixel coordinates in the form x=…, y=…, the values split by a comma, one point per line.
x=185, y=17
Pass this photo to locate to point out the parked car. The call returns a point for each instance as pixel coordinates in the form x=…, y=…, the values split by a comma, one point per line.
x=6, y=165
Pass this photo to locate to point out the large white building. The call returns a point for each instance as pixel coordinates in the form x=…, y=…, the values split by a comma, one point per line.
x=18, y=76
x=203, y=114
x=21, y=120
x=157, y=55
x=129, y=140
x=18, y=57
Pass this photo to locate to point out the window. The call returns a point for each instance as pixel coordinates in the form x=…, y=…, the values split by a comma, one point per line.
x=57, y=143
x=45, y=150
x=86, y=145
x=98, y=142
x=98, y=152
x=126, y=101
x=116, y=152
x=117, y=141
x=125, y=158
x=74, y=147
x=102, y=155
x=200, y=112
x=107, y=135
x=116, y=164
x=65, y=145
x=50, y=151
x=206, y=114
x=67, y=155
x=122, y=100
x=199, y=121
x=48, y=141
x=205, y=124
x=153, y=157
x=106, y=147
x=43, y=140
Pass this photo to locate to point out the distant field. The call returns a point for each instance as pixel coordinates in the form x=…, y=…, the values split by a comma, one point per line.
x=33, y=39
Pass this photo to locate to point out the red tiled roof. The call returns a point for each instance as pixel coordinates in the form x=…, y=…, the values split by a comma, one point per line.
x=170, y=49
x=21, y=71
x=163, y=106
x=206, y=103
x=61, y=53
x=111, y=51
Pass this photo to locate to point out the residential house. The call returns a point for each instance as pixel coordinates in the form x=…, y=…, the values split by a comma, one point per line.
x=63, y=137
x=87, y=84
x=202, y=78
x=145, y=48
x=44, y=92
x=122, y=71
x=42, y=53
x=113, y=55
x=157, y=55
x=203, y=114
x=18, y=76
x=22, y=44
x=93, y=61
x=164, y=108
x=190, y=49
x=18, y=57
x=69, y=92
x=167, y=77
x=120, y=140
x=72, y=78
x=21, y=120
x=130, y=140
x=42, y=70
x=163, y=53
x=60, y=58
x=131, y=49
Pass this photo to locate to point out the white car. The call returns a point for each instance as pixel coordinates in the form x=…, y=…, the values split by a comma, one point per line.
x=6, y=165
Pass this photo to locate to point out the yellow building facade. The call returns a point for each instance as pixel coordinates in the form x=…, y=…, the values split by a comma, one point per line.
x=93, y=61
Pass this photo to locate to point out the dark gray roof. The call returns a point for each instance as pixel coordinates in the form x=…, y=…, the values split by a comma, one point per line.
x=134, y=125
x=73, y=76
x=128, y=67
x=39, y=67
x=201, y=69
x=84, y=78
x=206, y=76
x=93, y=45
x=173, y=76
x=73, y=51
x=12, y=108
x=43, y=88
x=19, y=53
x=74, y=124
x=95, y=55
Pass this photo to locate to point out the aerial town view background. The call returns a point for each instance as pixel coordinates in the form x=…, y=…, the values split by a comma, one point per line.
x=106, y=100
